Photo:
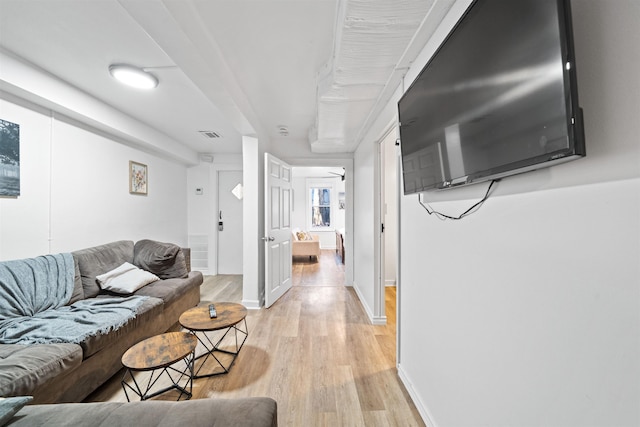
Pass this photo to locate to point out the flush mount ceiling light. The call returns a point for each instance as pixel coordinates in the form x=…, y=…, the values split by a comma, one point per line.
x=133, y=76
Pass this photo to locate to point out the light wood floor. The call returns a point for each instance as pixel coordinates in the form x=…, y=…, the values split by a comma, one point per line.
x=314, y=351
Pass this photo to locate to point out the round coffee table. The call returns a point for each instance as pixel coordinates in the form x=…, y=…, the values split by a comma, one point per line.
x=158, y=354
x=231, y=318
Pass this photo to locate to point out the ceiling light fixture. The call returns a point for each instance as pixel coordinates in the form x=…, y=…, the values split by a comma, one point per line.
x=133, y=76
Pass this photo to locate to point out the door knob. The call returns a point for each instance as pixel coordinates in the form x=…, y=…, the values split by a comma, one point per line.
x=269, y=239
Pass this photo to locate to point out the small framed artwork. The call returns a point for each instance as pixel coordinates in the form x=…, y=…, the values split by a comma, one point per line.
x=138, y=178
x=9, y=159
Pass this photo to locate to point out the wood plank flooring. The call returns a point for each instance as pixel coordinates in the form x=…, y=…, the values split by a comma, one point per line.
x=328, y=270
x=314, y=351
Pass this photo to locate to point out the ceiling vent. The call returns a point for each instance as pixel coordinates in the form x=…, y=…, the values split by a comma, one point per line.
x=209, y=134
x=206, y=157
x=283, y=130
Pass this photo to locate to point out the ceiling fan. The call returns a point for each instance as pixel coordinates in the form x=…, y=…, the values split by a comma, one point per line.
x=341, y=175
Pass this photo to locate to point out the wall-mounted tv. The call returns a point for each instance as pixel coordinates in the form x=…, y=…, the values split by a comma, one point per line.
x=498, y=97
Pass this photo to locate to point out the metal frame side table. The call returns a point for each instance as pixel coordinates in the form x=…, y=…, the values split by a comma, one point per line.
x=232, y=320
x=157, y=354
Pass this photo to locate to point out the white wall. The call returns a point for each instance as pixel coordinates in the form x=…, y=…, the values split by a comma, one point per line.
x=364, y=227
x=74, y=189
x=527, y=312
x=24, y=221
x=200, y=217
x=532, y=303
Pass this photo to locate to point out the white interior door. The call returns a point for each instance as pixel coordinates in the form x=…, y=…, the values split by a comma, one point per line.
x=277, y=208
x=229, y=222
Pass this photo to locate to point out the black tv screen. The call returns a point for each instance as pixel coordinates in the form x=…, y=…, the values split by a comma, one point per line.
x=498, y=97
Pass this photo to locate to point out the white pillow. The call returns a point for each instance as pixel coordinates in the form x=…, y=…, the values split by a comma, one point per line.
x=125, y=279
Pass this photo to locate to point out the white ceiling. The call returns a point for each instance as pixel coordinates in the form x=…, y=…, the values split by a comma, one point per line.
x=322, y=68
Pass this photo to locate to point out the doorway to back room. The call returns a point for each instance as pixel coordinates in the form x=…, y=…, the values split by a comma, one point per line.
x=318, y=226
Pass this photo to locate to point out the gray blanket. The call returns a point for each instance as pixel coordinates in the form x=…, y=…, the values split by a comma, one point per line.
x=33, y=294
x=29, y=286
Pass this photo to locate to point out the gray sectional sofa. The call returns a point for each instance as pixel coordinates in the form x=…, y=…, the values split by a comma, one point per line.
x=68, y=372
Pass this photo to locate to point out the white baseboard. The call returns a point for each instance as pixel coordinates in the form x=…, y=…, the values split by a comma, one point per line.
x=252, y=304
x=362, y=301
x=389, y=282
x=377, y=321
x=422, y=408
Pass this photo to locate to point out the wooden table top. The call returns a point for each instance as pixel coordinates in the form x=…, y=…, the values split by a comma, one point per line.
x=197, y=318
x=159, y=351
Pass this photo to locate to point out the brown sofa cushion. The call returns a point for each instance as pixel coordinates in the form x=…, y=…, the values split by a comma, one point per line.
x=248, y=412
x=25, y=367
x=169, y=290
x=98, y=260
x=165, y=260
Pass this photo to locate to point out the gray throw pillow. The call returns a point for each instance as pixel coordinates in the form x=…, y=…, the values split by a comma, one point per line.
x=165, y=260
x=10, y=405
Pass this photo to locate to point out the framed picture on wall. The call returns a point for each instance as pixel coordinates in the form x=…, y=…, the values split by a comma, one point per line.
x=138, y=178
x=9, y=159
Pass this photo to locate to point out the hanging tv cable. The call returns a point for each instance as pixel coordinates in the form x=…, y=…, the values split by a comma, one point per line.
x=469, y=211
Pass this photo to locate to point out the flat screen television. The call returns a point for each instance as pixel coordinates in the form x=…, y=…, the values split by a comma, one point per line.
x=499, y=97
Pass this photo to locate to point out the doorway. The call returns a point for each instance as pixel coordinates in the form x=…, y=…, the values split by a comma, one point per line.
x=387, y=214
x=321, y=210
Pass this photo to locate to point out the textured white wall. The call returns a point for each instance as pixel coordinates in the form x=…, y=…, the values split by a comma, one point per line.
x=527, y=312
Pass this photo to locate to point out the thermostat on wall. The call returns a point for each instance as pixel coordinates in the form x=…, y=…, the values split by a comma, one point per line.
x=199, y=191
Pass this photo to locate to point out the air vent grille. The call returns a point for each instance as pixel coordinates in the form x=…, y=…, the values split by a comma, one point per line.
x=209, y=134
